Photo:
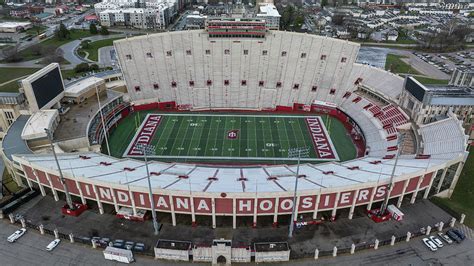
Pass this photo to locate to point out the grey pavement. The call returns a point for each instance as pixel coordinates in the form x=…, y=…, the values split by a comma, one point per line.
x=30, y=250
x=341, y=233
x=107, y=56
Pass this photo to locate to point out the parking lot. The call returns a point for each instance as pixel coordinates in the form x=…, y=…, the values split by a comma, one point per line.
x=447, y=62
x=341, y=233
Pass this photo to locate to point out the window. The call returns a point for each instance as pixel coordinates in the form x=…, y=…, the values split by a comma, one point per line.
x=208, y=52
x=173, y=84
x=209, y=82
x=149, y=55
x=264, y=52
x=260, y=83
x=314, y=88
x=343, y=60
x=226, y=51
x=226, y=82
x=303, y=55
x=169, y=53
x=137, y=88
x=128, y=57
x=191, y=83
x=323, y=57
x=278, y=84
x=246, y=52
x=283, y=53
x=188, y=52
x=296, y=86
x=332, y=91
x=156, y=86
x=243, y=83
x=358, y=80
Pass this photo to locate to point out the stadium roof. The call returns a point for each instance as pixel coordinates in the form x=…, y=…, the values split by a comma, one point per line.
x=105, y=169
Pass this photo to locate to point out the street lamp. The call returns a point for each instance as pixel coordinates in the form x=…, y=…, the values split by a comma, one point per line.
x=104, y=130
x=149, y=149
x=61, y=177
x=296, y=153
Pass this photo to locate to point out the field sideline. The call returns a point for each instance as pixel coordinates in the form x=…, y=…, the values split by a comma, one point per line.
x=260, y=138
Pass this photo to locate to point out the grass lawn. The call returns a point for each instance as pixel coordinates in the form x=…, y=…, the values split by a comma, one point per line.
x=430, y=81
x=13, y=73
x=395, y=64
x=28, y=54
x=94, y=47
x=9, y=183
x=463, y=197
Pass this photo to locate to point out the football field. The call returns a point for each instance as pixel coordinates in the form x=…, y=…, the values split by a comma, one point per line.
x=239, y=138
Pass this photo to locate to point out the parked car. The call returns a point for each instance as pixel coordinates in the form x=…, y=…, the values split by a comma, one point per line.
x=129, y=245
x=454, y=236
x=430, y=244
x=445, y=238
x=53, y=244
x=459, y=233
x=437, y=241
x=15, y=236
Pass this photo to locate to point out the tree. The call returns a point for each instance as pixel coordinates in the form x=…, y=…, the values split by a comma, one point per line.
x=54, y=56
x=63, y=33
x=11, y=54
x=324, y=3
x=82, y=67
x=85, y=44
x=93, y=29
x=104, y=30
x=93, y=67
x=36, y=49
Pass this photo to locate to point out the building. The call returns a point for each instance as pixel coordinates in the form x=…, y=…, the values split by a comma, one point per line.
x=462, y=77
x=270, y=14
x=13, y=27
x=42, y=17
x=427, y=104
x=236, y=28
x=20, y=12
x=146, y=15
x=195, y=21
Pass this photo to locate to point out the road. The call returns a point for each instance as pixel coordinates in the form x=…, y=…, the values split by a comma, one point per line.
x=30, y=250
x=69, y=48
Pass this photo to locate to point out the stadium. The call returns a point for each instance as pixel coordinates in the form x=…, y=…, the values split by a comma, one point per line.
x=221, y=109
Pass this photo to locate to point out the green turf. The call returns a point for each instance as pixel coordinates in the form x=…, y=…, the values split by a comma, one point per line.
x=428, y=81
x=395, y=64
x=463, y=196
x=260, y=137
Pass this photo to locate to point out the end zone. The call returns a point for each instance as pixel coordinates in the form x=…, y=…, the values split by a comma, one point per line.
x=143, y=136
x=322, y=142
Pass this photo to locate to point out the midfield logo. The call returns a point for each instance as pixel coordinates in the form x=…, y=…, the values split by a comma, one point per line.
x=232, y=134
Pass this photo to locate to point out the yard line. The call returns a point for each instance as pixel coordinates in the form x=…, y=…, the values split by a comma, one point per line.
x=239, y=158
x=162, y=134
x=192, y=140
x=268, y=126
x=178, y=134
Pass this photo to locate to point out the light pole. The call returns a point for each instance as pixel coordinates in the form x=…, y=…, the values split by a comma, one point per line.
x=383, y=208
x=61, y=177
x=298, y=153
x=146, y=149
x=103, y=121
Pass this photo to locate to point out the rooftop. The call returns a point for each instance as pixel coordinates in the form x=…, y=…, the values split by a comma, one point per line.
x=83, y=84
x=35, y=126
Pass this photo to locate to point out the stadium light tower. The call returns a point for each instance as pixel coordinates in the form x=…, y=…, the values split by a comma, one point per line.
x=61, y=177
x=148, y=149
x=296, y=153
x=383, y=208
x=103, y=121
